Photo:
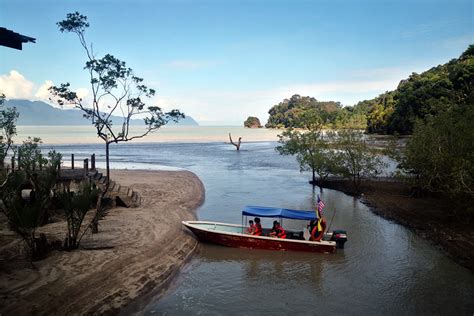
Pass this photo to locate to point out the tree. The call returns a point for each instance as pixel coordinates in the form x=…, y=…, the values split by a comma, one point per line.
x=422, y=96
x=115, y=89
x=37, y=174
x=349, y=117
x=289, y=112
x=380, y=112
x=8, y=118
x=75, y=206
x=237, y=145
x=355, y=158
x=312, y=151
x=25, y=214
x=41, y=183
x=30, y=155
x=440, y=155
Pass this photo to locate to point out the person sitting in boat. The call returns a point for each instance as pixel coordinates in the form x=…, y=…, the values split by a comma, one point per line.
x=309, y=229
x=312, y=224
x=257, y=228
x=251, y=227
x=277, y=230
x=317, y=232
x=273, y=231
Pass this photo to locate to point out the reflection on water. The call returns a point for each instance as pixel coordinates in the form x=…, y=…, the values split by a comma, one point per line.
x=385, y=269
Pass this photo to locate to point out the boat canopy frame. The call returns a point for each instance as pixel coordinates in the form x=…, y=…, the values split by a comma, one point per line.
x=265, y=211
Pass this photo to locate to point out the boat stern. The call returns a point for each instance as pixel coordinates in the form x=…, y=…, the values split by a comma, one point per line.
x=340, y=237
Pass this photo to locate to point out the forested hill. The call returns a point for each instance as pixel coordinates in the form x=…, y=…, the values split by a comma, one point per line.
x=424, y=95
x=289, y=113
x=40, y=113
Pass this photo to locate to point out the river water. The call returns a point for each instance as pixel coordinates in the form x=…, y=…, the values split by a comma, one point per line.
x=384, y=269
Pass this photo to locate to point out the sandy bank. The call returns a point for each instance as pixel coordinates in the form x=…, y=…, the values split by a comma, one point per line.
x=430, y=217
x=137, y=252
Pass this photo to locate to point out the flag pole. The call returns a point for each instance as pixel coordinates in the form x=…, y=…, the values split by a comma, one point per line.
x=330, y=223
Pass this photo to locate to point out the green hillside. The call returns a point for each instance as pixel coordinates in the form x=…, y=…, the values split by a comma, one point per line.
x=290, y=112
x=417, y=98
x=422, y=96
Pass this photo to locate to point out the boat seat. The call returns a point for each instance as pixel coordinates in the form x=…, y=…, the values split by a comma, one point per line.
x=294, y=235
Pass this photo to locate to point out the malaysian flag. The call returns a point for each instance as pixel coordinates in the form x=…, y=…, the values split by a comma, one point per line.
x=320, y=206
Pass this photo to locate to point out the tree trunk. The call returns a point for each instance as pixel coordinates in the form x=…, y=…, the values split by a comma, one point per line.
x=95, y=227
x=95, y=220
x=356, y=181
x=107, y=166
x=99, y=206
x=40, y=247
x=237, y=145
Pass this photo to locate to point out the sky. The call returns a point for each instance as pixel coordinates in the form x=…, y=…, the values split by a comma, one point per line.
x=222, y=61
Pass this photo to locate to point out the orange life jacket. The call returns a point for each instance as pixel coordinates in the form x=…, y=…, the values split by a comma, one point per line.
x=258, y=230
x=281, y=232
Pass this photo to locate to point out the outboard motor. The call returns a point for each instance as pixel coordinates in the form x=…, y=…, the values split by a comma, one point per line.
x=340, y=237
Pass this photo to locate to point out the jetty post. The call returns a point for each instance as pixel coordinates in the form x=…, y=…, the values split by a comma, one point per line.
x=86, y=167
x=93, y=162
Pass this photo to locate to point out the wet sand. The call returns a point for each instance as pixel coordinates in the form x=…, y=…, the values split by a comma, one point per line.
x=431, y=217
x=133, y=257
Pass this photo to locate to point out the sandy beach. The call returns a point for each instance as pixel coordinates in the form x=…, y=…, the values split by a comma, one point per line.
x=135, y=255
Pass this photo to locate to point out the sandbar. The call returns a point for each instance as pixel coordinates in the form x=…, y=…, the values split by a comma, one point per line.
x=135, y=255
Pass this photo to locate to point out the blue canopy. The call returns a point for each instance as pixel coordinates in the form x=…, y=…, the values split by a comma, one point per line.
x=263, y=211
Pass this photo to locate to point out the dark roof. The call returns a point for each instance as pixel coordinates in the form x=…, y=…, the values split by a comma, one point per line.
x=13, y=40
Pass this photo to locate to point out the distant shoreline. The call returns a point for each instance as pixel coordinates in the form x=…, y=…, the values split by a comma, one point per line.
x=85, y=134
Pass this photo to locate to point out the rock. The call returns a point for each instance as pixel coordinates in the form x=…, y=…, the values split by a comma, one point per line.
x=252, y=122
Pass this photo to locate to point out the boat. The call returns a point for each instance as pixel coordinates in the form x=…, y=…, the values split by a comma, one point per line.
x=233, y=235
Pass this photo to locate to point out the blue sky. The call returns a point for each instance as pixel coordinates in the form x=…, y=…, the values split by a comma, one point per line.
x=221, y=61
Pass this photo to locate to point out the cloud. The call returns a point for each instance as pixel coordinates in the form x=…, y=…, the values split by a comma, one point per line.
x=16, y=86
x=43, y=92
x=82, y=92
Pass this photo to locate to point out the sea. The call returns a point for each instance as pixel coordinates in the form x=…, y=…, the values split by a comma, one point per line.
x=385, y=269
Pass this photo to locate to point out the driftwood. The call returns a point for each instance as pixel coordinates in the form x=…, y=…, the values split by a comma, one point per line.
x=232, y=142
